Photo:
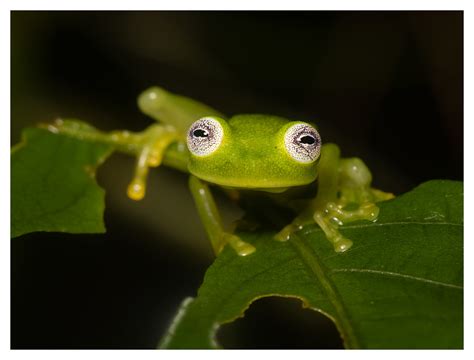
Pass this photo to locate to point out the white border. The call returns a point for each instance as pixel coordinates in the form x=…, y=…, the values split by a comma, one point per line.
x=7, y=5
x=237, y=5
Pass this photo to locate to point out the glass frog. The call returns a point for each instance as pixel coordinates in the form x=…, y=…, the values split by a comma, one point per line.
x=266, y=154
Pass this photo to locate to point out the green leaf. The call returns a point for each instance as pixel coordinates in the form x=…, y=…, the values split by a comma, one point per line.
x=399, y=286
x=53, y=186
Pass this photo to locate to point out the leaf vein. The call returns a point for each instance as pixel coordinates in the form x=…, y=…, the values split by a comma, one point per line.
x=404, y=276
x=362, y=226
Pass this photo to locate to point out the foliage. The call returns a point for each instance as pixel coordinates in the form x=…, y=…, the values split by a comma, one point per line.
x=53, y=185
x=400, y=286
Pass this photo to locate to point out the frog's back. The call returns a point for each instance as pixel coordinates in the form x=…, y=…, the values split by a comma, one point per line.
x=257, y=123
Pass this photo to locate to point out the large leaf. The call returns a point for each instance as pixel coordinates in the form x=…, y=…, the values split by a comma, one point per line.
x=53, y=186
x=399, y=286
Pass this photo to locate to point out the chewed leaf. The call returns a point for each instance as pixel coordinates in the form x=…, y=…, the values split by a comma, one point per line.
x=400, y=286
x=53, y=186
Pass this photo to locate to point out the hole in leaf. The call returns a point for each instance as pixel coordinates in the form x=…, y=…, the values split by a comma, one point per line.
x=280, y=323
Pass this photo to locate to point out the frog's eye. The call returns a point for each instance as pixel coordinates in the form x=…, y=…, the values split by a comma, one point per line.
x=303, y=143
x=205, y=136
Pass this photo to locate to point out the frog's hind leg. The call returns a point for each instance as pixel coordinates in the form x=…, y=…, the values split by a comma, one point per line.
x=334, y=215
x=354, y=183
x=344, y=195
x=355, y=200
x=148, y=146
x=316, y=210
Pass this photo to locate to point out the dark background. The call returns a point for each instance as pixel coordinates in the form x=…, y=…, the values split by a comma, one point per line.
x=385, y=86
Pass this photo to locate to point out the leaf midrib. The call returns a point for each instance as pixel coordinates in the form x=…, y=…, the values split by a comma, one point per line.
x=312, y=261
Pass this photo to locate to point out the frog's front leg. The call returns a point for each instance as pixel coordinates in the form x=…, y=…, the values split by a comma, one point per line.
x=211, y=219
x=175, y=113
x=148, y=146
x=344, y=195
x=155, y=142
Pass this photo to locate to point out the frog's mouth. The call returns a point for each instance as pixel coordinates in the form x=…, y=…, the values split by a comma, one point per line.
x=260, y=173
x=260, y=184
x=276, y=190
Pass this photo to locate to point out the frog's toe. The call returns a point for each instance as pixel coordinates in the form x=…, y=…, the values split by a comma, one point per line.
x=330, y=228
x=380, y=195
x=136, y=189
x=285, y=233
x=342, y=244
x=242, y=248
x=369, y=211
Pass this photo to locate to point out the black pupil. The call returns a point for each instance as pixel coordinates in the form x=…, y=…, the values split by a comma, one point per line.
x=200, y=133
x=307, y=139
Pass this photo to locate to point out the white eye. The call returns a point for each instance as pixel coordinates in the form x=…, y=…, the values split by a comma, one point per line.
x=205, y=136
x=303, y=143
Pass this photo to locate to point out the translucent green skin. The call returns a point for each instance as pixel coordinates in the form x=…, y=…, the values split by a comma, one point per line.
x=252, y=155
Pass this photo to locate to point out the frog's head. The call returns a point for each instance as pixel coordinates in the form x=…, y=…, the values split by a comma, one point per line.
x=254, y=151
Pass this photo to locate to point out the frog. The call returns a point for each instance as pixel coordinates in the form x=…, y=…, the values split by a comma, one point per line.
x=266, y=155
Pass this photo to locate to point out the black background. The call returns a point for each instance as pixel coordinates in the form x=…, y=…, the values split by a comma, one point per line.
x=385, y=86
